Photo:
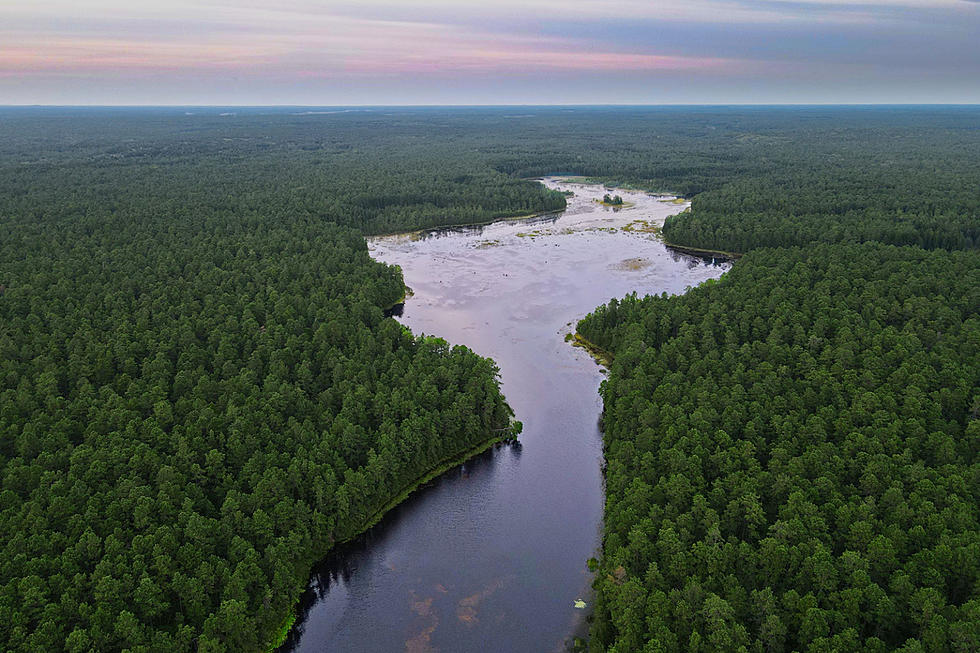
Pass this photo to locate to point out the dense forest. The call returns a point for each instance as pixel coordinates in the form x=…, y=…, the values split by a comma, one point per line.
x=199, y=393
x=792, y=456
x=793, y=452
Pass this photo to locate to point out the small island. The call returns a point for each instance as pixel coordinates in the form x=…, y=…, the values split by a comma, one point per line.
x=615, y=201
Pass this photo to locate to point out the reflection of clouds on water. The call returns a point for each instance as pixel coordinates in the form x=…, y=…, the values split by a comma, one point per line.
x=544, y=268
x=512, y=298
x=421, y=642
x=467, y=610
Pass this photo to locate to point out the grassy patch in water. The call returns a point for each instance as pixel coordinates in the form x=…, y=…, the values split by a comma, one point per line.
x=643, y=226
x=600, y=355
x=631, y=264
x=487, y=244
x=530, y=234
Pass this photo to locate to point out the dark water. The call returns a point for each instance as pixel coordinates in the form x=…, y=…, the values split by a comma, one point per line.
x=492, y=555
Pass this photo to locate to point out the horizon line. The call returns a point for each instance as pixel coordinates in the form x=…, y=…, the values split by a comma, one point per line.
x=488, y=106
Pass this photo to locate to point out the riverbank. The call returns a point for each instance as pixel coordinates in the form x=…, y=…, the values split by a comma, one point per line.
x=406, y=293
x=702, y=253
x=438, y=470
x=476, y=550
x=419, y=233
x=676, y=200
x=615, y=184
x=441, y=468
x=601, y=356
x=283, y=633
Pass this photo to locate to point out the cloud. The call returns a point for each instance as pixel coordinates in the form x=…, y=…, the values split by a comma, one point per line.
x=65, y=56
x=628, y=46
x=243, y=13
x=274, y=42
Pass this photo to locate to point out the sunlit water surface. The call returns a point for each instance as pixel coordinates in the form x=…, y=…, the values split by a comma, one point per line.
x=492, y=555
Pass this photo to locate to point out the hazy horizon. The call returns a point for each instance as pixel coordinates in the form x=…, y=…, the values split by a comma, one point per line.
x=347, y=108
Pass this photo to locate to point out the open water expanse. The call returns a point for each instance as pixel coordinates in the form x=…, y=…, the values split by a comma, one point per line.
x=492, y=555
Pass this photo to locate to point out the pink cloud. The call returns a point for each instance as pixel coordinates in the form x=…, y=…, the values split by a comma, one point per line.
x=99, y=55
x=335, y=47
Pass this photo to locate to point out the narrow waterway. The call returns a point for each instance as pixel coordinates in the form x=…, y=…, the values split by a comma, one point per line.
x=492, y=555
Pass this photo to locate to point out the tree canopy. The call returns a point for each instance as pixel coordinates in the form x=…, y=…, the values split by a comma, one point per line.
x=199, y=393
x=792, y=456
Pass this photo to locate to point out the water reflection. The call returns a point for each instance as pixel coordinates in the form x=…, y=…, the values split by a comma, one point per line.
x=477, y=230
x=492, y=555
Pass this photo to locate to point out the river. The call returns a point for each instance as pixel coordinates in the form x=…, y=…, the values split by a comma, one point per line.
x=491, y=556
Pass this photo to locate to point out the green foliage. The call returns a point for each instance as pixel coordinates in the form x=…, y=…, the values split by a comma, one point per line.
x=792, y=459
x=793, y=456
x=199, y=394
x=373, y=173
x=858, y=200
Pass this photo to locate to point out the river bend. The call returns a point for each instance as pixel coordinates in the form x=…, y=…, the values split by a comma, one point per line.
x=491, y=556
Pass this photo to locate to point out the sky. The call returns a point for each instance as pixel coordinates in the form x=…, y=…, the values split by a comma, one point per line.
x=404, y=52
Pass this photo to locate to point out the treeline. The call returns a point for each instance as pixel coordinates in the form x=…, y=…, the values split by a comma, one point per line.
x=762, y=176
x=793, y=457
x=375, y=174
x=940, y=209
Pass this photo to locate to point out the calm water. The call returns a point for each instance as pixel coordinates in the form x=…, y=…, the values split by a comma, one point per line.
x=492, y=555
